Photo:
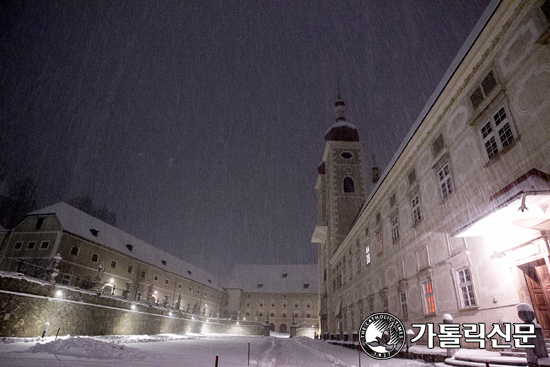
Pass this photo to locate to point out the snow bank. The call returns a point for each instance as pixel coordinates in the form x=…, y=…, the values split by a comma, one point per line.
x=86, y=348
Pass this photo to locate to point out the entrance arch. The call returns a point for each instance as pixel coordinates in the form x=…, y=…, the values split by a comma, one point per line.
x=272, y=326
x=283, y=328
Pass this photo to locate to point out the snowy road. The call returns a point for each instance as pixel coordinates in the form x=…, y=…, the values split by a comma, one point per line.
x=188, y=351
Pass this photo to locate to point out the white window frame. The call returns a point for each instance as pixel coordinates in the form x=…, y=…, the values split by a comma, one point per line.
x=491, y=132
x=445, y=180
x=466, y=289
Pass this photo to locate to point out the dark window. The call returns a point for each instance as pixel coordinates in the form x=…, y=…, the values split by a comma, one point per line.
x=179, y=286
x=378, y=218
x=44, y=245
x=74, y=251
x=272, y=314
x=130, y=269
x=113, y=264
x=438, y=145
x=166, y=281
x=308, y=315
x=476, y=97
x=349, y=185
x=18, y=246
x=129, y=247
x=39, y=223
x=143, y=274
x=260, y=285
x=156, y=278
x=95, y=257
x=412, y=177
x=31, y=245
x=392, y=200
x=285, y=275
x=306, y=285
x=163, y=262
x=209, y=280
x=346, y=155
x=189, y=272
x=489, y=83
x=94, y=232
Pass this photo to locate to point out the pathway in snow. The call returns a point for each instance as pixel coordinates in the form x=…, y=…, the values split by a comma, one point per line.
x=189, y=351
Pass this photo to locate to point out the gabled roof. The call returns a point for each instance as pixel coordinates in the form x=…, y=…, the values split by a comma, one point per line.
x=274, y=278
x=84, y=225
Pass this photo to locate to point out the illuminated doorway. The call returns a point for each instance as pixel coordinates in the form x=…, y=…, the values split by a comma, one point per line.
x=538, y=282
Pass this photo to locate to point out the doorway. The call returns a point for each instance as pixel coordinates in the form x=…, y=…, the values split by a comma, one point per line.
x=538, y=282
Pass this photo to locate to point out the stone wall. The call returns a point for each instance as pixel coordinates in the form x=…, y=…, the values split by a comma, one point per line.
x=26, y=304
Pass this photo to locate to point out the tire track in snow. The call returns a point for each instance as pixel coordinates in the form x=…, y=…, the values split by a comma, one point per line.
x=292, y=353
x=330, y=358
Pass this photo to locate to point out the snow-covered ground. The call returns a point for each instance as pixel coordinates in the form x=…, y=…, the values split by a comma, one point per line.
x=183, y=350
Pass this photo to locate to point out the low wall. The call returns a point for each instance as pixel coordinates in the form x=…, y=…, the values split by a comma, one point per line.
x=27, y=303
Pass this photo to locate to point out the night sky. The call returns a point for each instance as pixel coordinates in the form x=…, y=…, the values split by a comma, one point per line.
x=201, y=123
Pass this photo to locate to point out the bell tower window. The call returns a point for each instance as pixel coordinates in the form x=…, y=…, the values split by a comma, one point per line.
x=349, y=185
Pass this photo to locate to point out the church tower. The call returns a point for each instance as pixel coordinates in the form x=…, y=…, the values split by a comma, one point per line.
x=341, y=192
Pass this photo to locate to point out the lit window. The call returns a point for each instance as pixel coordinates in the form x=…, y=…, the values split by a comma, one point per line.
x=466, y=287
x=367, y=251
x=428, y=298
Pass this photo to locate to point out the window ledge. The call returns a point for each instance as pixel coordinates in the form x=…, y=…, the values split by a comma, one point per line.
x=468, y=308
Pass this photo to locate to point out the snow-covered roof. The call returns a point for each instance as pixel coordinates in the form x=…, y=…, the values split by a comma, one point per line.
x=274, y=278
x=342, y=131
x=84, y=225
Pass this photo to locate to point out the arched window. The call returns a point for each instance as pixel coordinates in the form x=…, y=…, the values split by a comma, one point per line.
x=349, y=185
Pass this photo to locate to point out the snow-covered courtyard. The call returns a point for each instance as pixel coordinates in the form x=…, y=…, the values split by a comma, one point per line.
x=183, y=350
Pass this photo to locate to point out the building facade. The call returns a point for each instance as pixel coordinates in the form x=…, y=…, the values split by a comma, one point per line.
x=96, y=255
x=281, y=295
x=459, y=222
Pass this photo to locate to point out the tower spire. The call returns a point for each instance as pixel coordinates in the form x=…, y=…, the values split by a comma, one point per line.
x=340, y=107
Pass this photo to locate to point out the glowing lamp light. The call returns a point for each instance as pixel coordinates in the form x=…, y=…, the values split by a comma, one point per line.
x=112, y=280
x=155, y=292
x=237, y=323
x=244, y=318
x=192, y=317
x=169, y=313
x=133, y=307
x=58, y=294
